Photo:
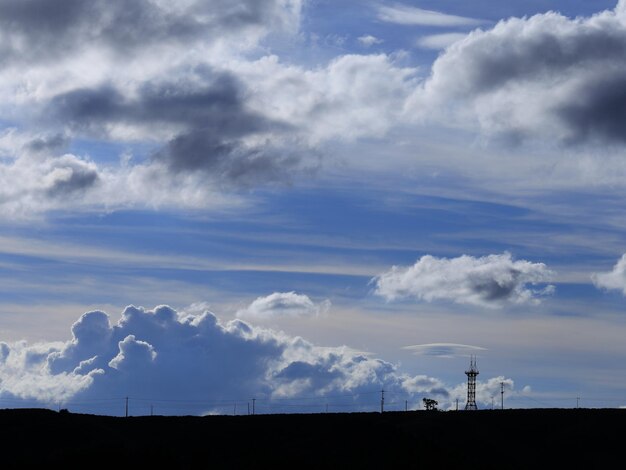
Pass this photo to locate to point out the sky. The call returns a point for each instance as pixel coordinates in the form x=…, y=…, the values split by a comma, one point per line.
x=210, y=205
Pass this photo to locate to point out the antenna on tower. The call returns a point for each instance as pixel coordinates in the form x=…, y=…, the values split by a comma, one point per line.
x=471, y=373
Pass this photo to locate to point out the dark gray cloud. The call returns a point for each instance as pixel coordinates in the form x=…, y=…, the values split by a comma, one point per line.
x=213, y=115
x=229, y=161
x=87, y=108
x=597, y=111
x=51, y=143
x=543, y=76
x=40, y=28
x=494, y=58
x=217, y=102
x=46, y=30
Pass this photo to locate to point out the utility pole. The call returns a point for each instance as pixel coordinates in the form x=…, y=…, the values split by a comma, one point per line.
x=406, y=405
x=382, y=400
x=248, y=408
x=501, y=395
x=126, y=407
x=457, y=404
x=253, y=403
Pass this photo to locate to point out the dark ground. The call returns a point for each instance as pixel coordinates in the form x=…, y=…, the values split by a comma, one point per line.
x=498, y=439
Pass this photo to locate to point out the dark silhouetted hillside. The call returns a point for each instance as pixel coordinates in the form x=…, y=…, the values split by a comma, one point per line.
x=524, y=439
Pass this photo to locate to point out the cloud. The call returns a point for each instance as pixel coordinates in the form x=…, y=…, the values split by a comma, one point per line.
x=423, y=384
x=35, y=182
x=614, y=279
x=407, y=15
x=490, y=281
x=439, y=41
x=40, y=179
x=37, y=30
x=211, y=130
x=175, y=81
x=192, y=363
x=48, y=143
x=24, y=375
x=447, y=350
x=142, y=72
x=543, y=77
x=353, y=96
x=283, y=304
x=368, y=40
x=490, y=389
x=69, y=174
x=208, y=142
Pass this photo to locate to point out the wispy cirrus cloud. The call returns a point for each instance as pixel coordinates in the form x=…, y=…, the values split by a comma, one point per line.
x=439, y=41
x=407, y=15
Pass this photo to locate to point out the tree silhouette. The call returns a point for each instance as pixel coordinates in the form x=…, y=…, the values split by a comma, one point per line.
x=430, y=404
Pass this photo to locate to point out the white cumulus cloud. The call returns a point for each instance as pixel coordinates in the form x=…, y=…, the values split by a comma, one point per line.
x=368, y=40
x=284, y=304
x=547, y=76
x=614, y=279
x=489, y=281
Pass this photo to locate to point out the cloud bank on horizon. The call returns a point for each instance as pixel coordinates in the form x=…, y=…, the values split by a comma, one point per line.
x=167, y=357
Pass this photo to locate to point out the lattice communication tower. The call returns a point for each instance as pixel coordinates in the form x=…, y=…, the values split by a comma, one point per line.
x=471, y=385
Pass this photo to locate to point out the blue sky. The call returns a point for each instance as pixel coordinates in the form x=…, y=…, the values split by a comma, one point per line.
x=360, y=194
